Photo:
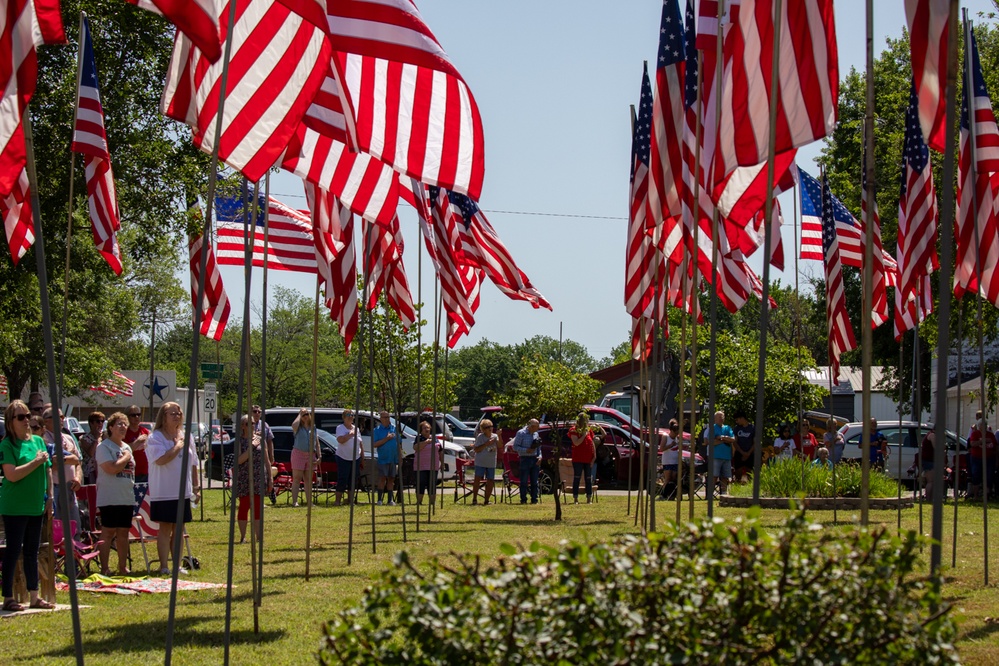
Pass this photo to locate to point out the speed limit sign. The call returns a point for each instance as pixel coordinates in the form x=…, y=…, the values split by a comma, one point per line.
x=209, y=406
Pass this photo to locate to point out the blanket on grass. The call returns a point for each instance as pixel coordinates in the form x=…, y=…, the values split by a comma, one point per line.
x=131, y=585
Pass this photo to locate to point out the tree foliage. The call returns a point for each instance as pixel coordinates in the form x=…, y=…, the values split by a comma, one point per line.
x=154, y=164
x=547, y=389
x=736, y=369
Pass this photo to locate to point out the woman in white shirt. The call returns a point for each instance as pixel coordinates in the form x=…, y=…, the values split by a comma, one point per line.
x=672, y=445
x=165, y=450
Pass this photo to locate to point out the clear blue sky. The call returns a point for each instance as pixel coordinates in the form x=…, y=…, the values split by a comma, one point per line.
x=554, y=81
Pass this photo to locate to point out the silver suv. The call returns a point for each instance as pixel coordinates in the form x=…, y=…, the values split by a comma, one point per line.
x=902, y=439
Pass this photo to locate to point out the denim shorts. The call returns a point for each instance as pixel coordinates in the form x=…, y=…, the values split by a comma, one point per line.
x=488, y=473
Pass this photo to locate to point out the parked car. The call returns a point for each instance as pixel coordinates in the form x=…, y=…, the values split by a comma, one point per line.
x=219, y=435
x=284, y=441
x=464, y=437
x=73, y=425
x=904, y=441
x=459, y=428
x=603, y=415
x=328, y=418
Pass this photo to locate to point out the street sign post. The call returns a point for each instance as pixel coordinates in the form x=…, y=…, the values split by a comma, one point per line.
x=209, y=397
x=212, y=370
x=210, y=406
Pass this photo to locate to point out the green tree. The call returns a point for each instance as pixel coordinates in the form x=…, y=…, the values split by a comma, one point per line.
x=547, y=389
x=486, y=368
x=154, y=164
x=568, y=352
x=736, y=368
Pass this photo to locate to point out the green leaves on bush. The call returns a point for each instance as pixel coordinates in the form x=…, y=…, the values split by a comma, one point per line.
x=782, y=477
x=714, y=592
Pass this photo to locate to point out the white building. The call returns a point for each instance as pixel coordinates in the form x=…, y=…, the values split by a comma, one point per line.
x=848, y=395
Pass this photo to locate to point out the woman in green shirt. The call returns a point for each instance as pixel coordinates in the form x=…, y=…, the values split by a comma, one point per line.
x=25, y=497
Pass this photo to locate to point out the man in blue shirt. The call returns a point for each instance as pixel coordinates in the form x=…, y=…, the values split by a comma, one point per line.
x=527, y=444
x=386, y=446
x=723, y=440
x=879, y=447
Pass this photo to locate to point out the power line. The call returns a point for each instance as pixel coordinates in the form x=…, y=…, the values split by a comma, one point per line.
x=505, y=212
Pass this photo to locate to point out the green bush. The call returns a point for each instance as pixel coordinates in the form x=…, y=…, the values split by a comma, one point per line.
x=782, y=477
x=714, y=592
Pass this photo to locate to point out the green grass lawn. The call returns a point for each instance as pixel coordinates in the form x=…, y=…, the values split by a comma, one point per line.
x=132, y=629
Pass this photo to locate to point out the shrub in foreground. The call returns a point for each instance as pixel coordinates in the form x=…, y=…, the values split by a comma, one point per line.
x=714, y=592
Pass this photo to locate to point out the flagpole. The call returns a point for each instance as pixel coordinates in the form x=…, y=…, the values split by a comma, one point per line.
x=69, y=221
x=943, y=316
x=915, y=388
x=636, y=328
x=352, y=486
x=266, y=447
x=768, y=213
x=314, y=435
x=43, y=288
x=867, y=291
x=251, y=241
x=419, y=366
x=678, y=484
x=196, y=345
x=396, y=390
x=713, y=343
x=978, y=297
x=373, y=480
x=797, y=337
x=694, y=302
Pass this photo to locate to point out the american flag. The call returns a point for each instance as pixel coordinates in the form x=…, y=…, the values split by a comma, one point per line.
x=290, y=246
x=915, y=309
x=879, y=305
x=977, y=188
x=195, y=18
x=17, y=223
x=215, y=306
x=707, y=22
x=666, y=159
x=90, y=140
x=117, y=384
x=3, y=384
x=27, y=24
x=928, y=29
x=640, y=251
x=384, y=270
x=405, y=102
x=751, y=238
x=642, y=337
x=333, y=232
x=278, y=63
x=459, y=283
x=917, y=207
x=808, y=83
x=482, y=248
x=848, y=229
x=368, y=187
x=841, y=337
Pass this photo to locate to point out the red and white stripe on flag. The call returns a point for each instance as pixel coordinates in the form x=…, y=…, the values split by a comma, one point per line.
x=915, y=309
x=26, y=24
x=215, y=306
x=808, y=83
x=197, y=19
x=290, y=245
x=3, y=384
x=117, y=384
x=363, y=184
x=333, y=231
x=17, y=223
x=384, y=270
x=278, y=64
x=642, y=337
x=459, y=284
x=928, y=27
x=90, y=140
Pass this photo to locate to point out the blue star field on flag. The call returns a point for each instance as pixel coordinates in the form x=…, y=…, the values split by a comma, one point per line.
x=642, y=140
x=915, y=152
x=690, y=75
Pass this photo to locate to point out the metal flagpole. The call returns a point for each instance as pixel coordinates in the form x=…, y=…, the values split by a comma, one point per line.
x=238, y=426
x=432, y=505
x=419, y=365
x=867, y=292
x=713, y=341
x=69, y=222
x=266, y=447
x=400, y=435
x=832, y=379
x=678, y=484
x=368, y=239
x=943, y=315
x=250, y=242
x=196, y=340
x=797, y=339
x=694, y=301
x=54, y=392
x=371, y=433
x=901, y=437
x=768, y=213
x=314, y=435
x=642, y=410
x=978, y=299
x=960, y=402
x=631, y=367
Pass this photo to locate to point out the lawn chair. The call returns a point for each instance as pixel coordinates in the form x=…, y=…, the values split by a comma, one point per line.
x=83, y=553
x=282, y=481
x=511, y=474
x=228, y=463
x=144, y=530
x=86, y=496
x=462, y=486
x=566, y=474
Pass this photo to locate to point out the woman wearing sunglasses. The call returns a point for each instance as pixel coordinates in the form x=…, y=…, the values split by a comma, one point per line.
x=25, y=498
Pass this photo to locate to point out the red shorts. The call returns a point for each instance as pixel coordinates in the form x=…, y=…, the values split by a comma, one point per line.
x=244, y=507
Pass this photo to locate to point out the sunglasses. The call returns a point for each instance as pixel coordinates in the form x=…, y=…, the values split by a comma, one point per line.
x=134, y=416
x=22, y=417
x=178, y=413
x=36, y=427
